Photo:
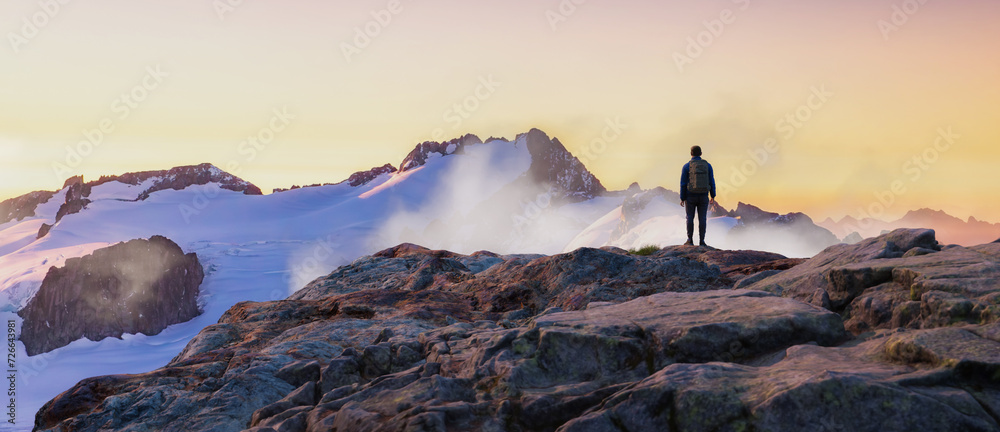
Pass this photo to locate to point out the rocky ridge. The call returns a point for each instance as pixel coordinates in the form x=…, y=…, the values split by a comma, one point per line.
x=415, y=339
x=78, y=191
x=18, y=208
x=904, y=279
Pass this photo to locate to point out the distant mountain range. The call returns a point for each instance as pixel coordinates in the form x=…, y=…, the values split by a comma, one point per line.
x=949, y=229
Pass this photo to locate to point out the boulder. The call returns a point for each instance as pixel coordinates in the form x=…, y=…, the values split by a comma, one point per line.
x=903, y=278
x=362, y=178
x=806, y=387
x=140, y=286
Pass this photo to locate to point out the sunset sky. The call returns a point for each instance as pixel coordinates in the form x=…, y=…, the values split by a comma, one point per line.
x=854, y=93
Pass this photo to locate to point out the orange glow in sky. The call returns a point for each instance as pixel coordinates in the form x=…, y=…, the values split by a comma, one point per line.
x=820, y=106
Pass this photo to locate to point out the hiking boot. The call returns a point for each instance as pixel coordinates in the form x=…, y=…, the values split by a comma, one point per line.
x=689, y=243
x=703, y=244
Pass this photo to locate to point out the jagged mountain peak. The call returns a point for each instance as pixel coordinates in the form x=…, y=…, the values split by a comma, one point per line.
x=418, y=157
x=181, y=177
x=552, y=164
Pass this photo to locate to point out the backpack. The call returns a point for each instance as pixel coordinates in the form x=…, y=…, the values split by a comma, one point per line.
x=698, y=179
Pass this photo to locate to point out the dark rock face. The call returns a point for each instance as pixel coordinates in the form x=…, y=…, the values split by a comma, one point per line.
x=179, y=178
x=553, y=165
x=182, y=177
x=510, y=283
x=23, y=206
x=44, y=230
x=357, y=179
x=76, y=200
x=900, y=279
x=418, y=156
x=77, y=190
x=76, y=197
x=362, y=178
x=422, y=340
x=140, y=286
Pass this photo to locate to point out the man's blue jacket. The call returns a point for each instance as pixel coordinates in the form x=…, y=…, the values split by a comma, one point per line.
x=685, y=176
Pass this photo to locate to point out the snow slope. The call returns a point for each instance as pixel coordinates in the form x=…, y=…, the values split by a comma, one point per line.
x=659, y=223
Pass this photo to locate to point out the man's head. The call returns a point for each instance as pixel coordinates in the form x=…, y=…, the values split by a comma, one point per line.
x=696, y=151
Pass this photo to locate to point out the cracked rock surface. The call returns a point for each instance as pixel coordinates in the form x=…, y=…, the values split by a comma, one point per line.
x=411, y=339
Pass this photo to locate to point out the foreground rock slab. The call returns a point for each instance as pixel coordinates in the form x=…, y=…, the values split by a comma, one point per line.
x=901, y=279
x=417, y=340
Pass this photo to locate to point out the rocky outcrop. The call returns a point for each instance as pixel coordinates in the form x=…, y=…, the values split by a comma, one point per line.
x=44, y=230
x=595, y=340
x=524, y=284
x=76, y=198
x=901, y=279
x=362, y=178
x=23, y=206
x=357, y=179
x=553, y=165
x=418, y=156
x=77, y=190
x=389, y=359
x=180, y=178
x=140, y=286
x=876, y=385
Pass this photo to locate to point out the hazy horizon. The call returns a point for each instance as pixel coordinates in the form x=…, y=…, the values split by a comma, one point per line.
x=855, y=94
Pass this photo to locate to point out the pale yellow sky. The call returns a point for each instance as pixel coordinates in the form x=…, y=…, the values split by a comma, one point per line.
x=222, y=80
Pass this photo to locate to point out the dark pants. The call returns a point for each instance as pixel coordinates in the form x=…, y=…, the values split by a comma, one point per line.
x=699, y=203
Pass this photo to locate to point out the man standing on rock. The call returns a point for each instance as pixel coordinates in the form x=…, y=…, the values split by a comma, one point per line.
x=697, y=183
